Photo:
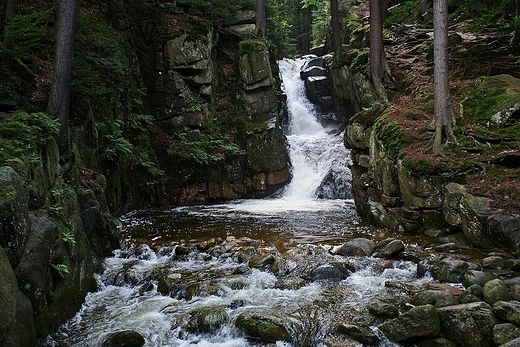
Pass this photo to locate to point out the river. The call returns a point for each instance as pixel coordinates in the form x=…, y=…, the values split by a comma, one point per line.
x=203, y=251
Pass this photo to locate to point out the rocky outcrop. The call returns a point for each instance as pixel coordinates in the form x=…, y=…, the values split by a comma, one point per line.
x=49, y=231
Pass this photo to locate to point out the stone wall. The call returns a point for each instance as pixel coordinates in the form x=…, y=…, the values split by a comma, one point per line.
x=388, y=194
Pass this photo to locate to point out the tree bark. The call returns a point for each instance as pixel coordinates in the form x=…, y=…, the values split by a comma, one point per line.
x=261, y=20
x=377, y=53
x=64, y=55
x=336, y=26
x=441, y=91
x=8, y=41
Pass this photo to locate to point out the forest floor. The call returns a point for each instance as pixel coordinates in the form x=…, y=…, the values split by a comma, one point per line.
x=479, y=161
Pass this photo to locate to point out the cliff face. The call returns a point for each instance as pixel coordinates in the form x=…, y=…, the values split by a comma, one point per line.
x=169, y=106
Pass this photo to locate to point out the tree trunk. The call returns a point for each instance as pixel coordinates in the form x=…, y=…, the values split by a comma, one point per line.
x=336, y=26
x=60, y=88
x=8, y=41
x=377, y=53
x=443, y=129
x=261, y=20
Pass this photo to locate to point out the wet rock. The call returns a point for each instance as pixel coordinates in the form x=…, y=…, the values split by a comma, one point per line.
x=468, y=325
x=333, y=272
x=480, y=278
x=357, y=247
x=505, y=332
x=513, y=264
x=207, y=319
x=264, y=325
x=437, y=298
x=496, y=290
x=383, y=310
x=438, y=342
x=451, y=270
x=508, y=311
x=291, y=283
x=512, y=343
x=493, y=262
x=446, y=247
x=127, y=338
x=358, y=333
x=420, y=321
x=390, y=249
x=169, y=284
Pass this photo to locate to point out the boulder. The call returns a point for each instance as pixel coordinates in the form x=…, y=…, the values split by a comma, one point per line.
x=496, y=290
x=420, y=321
x=508, y=311
x=480, y=278
x=389, y=250
x=263, y=324
x=468, y=325
x=358, y=333
x=437, y=298
x=126, y=338
x=505, y=332
x=333, y=272
x=451, y=270
x=207, y=319
x=357, y=247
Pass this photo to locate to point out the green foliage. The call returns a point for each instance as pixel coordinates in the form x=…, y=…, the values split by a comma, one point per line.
x=23, y=132
x=68, y=237
x=208, y=150
x=361, y=62
x=399, y=14
x=61, y=269
x=117, y=146
x=494, y=8
x=28, y=30
x=141, y=121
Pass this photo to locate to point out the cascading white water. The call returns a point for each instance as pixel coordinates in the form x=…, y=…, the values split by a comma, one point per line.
x=315, y=154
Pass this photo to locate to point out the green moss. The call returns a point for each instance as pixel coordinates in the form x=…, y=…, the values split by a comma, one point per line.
x=405, y=10
x=391, y=134
x=361, y=62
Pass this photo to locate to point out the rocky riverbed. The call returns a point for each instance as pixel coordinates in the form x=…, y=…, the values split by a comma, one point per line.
x=244, y=292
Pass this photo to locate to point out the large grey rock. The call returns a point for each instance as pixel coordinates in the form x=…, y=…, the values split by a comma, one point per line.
x=496, y=290
x=468, y=325
x=263, y=324
x=389, y=249
x=266, y=151
x=471, y=277
x=333, y=272
x=437, y=298
x=512, y=343
x=508, y=310
x=451, y=270
x=254, y=64
x=505, y=332
x=357, y=247
x=185, y=53
x=420, y=321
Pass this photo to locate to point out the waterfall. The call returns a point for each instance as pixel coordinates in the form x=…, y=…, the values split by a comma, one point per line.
x=319, y=159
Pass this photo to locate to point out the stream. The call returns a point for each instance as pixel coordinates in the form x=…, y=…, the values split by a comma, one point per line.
x=275, y=255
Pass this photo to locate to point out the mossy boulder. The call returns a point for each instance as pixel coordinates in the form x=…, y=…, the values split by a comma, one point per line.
x=263, y=324
x=468, y=325
x=420, y=321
